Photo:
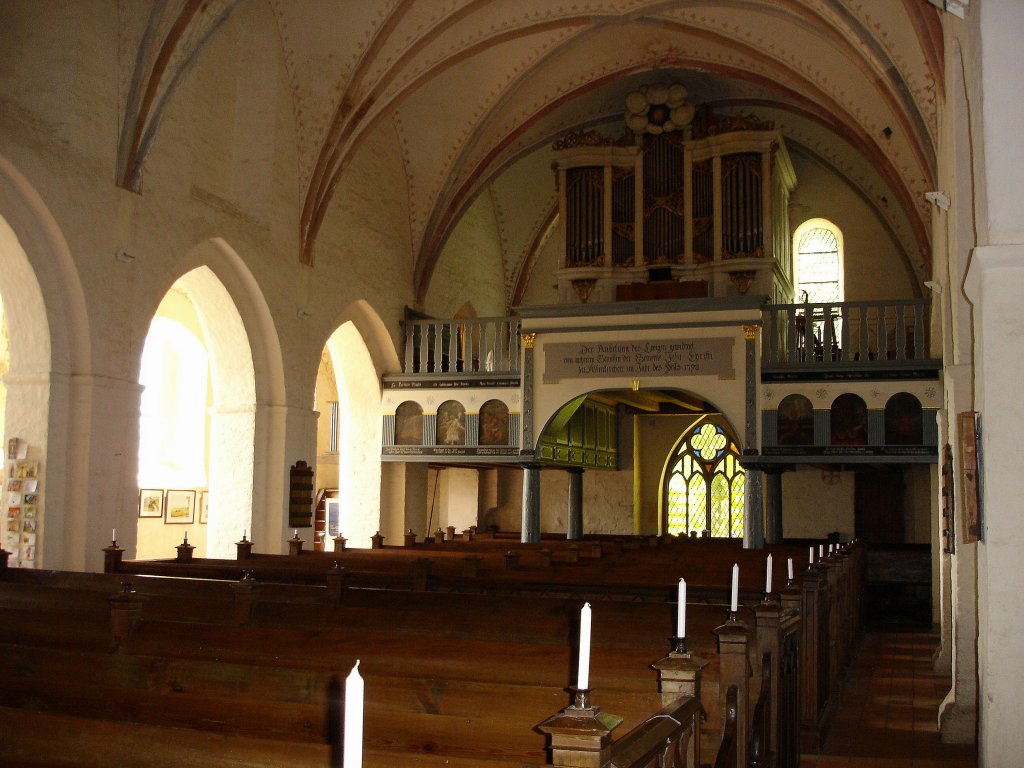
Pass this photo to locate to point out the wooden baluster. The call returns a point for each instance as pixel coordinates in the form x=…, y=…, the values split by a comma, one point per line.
x=901, y=332
x=410, y=345
x=883, y=333
x=808, y=333
x=826, y=333
x=844, y=332
x=792, y=342
x=920, y=345
x=863, y=343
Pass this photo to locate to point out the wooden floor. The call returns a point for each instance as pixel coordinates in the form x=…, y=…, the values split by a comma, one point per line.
x=887, y=713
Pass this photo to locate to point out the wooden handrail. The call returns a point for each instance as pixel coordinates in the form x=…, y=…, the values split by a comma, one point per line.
x=670, y=737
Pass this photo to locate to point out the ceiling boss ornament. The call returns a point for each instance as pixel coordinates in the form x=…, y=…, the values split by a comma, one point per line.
x=658, y=108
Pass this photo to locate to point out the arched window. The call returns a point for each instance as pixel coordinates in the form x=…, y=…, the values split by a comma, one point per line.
x=704, y=486
x=818, y=262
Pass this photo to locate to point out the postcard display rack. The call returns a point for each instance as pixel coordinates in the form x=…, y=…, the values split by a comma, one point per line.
x=21, y=493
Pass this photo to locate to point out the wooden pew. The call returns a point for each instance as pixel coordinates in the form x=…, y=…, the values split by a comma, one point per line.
x=278, y=611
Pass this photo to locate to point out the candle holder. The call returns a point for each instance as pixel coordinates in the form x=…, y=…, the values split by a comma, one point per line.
x=580, y=734
x=112, y=558
x=243, y=549
x=731, y=617
x=185, y=551
x=679, y=672
x=768, y=597
x=580, y=699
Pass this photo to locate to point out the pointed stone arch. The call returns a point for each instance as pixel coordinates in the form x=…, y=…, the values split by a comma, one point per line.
x=249, y=416
x=361, y=351
x=50, y=361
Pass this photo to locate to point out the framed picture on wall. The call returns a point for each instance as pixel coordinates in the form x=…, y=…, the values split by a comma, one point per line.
x=151, y=502
x=180, y=507
x=204, y=500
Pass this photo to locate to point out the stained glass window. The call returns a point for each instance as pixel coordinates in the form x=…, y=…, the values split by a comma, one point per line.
x=704, y=487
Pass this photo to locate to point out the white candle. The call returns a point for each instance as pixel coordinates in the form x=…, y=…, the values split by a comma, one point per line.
x=821, y=551
x=789, y=568
x=768, y=576
x=244, y=531
x=113, y=535
x=583, y=669
x=295, y=533
x=810, y=555
x=681, y=614
x=734, y=600
x=352, y=756
x=830, y=550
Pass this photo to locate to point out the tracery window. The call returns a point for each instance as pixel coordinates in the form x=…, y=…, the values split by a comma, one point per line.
x=704, y=485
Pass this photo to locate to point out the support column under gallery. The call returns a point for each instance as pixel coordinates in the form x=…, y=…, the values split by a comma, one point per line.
x=574, y=518
x=773, y=506
x=753, y=537
x=530, y=531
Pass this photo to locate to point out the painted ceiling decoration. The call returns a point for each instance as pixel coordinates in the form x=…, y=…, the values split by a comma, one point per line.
x=167, y=50
x=471, y=88
x=658, y=108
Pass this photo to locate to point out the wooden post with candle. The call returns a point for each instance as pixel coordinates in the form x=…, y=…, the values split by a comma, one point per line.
x=679, y=672
x=112, y=558
x=734, y=669
x=581, y=735
x=295, y=544
x=185, y=551
x=243, y=548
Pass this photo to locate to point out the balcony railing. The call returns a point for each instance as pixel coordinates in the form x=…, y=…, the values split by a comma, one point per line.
x=849, y=335
x=853, y=332
x=476, y=345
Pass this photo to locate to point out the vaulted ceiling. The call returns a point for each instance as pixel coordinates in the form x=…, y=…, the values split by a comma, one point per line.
x=476, y=88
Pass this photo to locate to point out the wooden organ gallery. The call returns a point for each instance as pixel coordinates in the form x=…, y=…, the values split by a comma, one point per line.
x=685, y=204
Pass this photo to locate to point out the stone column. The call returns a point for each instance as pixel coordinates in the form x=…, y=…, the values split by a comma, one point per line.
x=574, y=517
x=773, y=506
x=754, y=504
x=530, y=531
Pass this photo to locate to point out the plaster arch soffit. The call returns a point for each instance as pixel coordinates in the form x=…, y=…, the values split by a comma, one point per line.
x=169, y=48
x=374, y=333
x=249, y=302
x=524, y=273
x=50, y=276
